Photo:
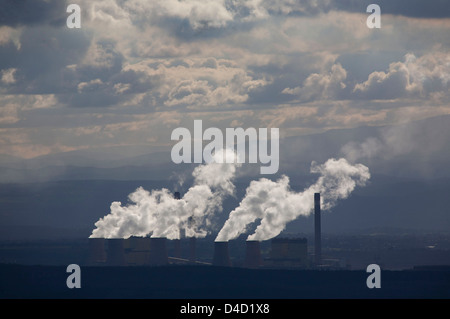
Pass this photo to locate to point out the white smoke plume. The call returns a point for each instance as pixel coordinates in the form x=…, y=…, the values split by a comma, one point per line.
x=159, y=214
x=275, y=204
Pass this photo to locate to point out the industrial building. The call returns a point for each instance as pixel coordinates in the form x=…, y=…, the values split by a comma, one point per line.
x=97, y=252
x=148, y=251
x=253, y=257
x=288, y=253
x=221, y=254
x=137, y=251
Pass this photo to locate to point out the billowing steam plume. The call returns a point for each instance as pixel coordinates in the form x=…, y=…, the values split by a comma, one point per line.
x=275, y=204
x=159, y=214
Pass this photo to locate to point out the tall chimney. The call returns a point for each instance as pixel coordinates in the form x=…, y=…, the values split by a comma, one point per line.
x=317, y=230
x=158, y=251
x=192, y=249
x=221, y=255
x=97, y=252
x=252, y=254
x=116, y=252
x=177, y=242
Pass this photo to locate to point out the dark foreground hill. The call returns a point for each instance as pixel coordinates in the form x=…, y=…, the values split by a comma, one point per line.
x=208, y=282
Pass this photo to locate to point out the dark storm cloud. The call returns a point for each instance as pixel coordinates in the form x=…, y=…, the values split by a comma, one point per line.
x=189, y=20
x=32, y=12
x=82, y=72
x=408, y=8
x=283, y=76
x=43, y=55
x=103, y=82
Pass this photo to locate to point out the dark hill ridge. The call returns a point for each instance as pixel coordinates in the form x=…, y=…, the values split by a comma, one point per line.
x=208, y=282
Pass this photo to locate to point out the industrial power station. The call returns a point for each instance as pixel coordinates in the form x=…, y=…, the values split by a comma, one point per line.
x=150, y=251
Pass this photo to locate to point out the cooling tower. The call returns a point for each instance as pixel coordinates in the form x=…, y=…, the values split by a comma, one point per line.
x=141, y=244
x=177, y=195
x=177, y=248
x=221, y=255
x=97, y=252
x=192, y=249
x=116, y=252
x=137, y=251
x=253, y=254
x=317, y=230
x=158, y=251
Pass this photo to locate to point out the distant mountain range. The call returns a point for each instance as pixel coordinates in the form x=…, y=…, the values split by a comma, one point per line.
x=419, y=149
x=408, y=189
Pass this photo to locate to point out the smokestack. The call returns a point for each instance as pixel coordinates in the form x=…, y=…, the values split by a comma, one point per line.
x=317, y=230
x=253, y=254
x=221, y=255
x=177, y=242
x=192, y=249
x=158, y=251
x=116, y=252
x=97, y=252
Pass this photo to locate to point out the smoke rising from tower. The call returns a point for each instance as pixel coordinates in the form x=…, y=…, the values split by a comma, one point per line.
x=274, y=204
x=158, y=214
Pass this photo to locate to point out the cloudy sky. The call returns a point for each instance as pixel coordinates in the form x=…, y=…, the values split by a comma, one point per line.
x=137, y=69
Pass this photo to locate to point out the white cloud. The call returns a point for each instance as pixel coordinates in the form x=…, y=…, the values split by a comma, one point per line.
x=300, y=6
x=199, y=82
x=8, y=76
x=415, y=77
x=8, y=114
x=101, y=54
x=8, y=34
x=209, y=13
x=321, y=86
x=92, y=85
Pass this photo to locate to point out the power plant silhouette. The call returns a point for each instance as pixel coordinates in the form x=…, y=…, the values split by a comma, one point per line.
x=150, y=251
